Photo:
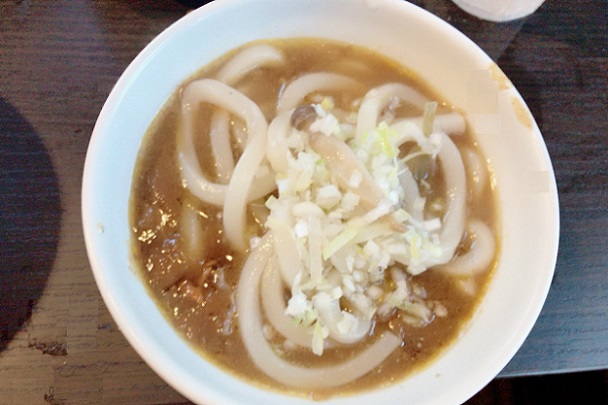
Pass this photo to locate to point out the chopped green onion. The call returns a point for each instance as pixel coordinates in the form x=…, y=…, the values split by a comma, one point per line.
x=343, y=239
x=430, y=108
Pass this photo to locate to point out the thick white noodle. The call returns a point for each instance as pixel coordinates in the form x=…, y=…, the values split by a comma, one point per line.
x=298, y=89
x=273, y=301
x=240, y=135
x=342, y=162
x=315, y=248
x=450, y=123
x=237, y=193
x=331, y=314
x=380, y=97
x=247, y=61
x=453, y=170
x=277, y=149
x=235, y=69
x=287, y=252
x=243, y=63
x=264, y=357
x=192, y=233
x=408, y=131
x=456, y=189
x=219, y=134
x=192, y=175
x=411, y=193
x=285, y=244
x=478, y=258
x=452, y=227
x=477, y=169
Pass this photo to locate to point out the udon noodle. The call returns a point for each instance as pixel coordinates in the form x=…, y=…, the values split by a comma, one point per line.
x=315, y=213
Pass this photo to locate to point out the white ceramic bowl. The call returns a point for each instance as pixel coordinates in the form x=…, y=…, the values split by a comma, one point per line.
x=441, y=55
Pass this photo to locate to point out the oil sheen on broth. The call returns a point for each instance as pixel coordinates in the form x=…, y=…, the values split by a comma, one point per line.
x=195, y=284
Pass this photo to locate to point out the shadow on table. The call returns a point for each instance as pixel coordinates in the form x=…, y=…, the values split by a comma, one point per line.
x=30, y=220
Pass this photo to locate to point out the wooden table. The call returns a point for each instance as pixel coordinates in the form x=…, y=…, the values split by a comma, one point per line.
x=58, y=63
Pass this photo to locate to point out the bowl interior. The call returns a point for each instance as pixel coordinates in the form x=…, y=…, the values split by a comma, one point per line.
x=451, y=63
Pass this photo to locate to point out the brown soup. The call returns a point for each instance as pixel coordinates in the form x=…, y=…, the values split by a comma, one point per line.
x=196, y=291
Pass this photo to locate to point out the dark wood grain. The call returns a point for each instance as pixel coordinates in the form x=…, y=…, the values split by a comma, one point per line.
x=58, y=63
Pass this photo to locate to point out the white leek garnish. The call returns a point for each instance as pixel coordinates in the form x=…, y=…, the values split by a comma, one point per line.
x=344, y=248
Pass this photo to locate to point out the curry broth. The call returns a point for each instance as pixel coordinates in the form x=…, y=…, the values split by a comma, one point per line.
x=205, y=316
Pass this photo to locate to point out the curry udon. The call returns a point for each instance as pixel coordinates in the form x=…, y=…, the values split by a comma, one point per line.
x=312, y=217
